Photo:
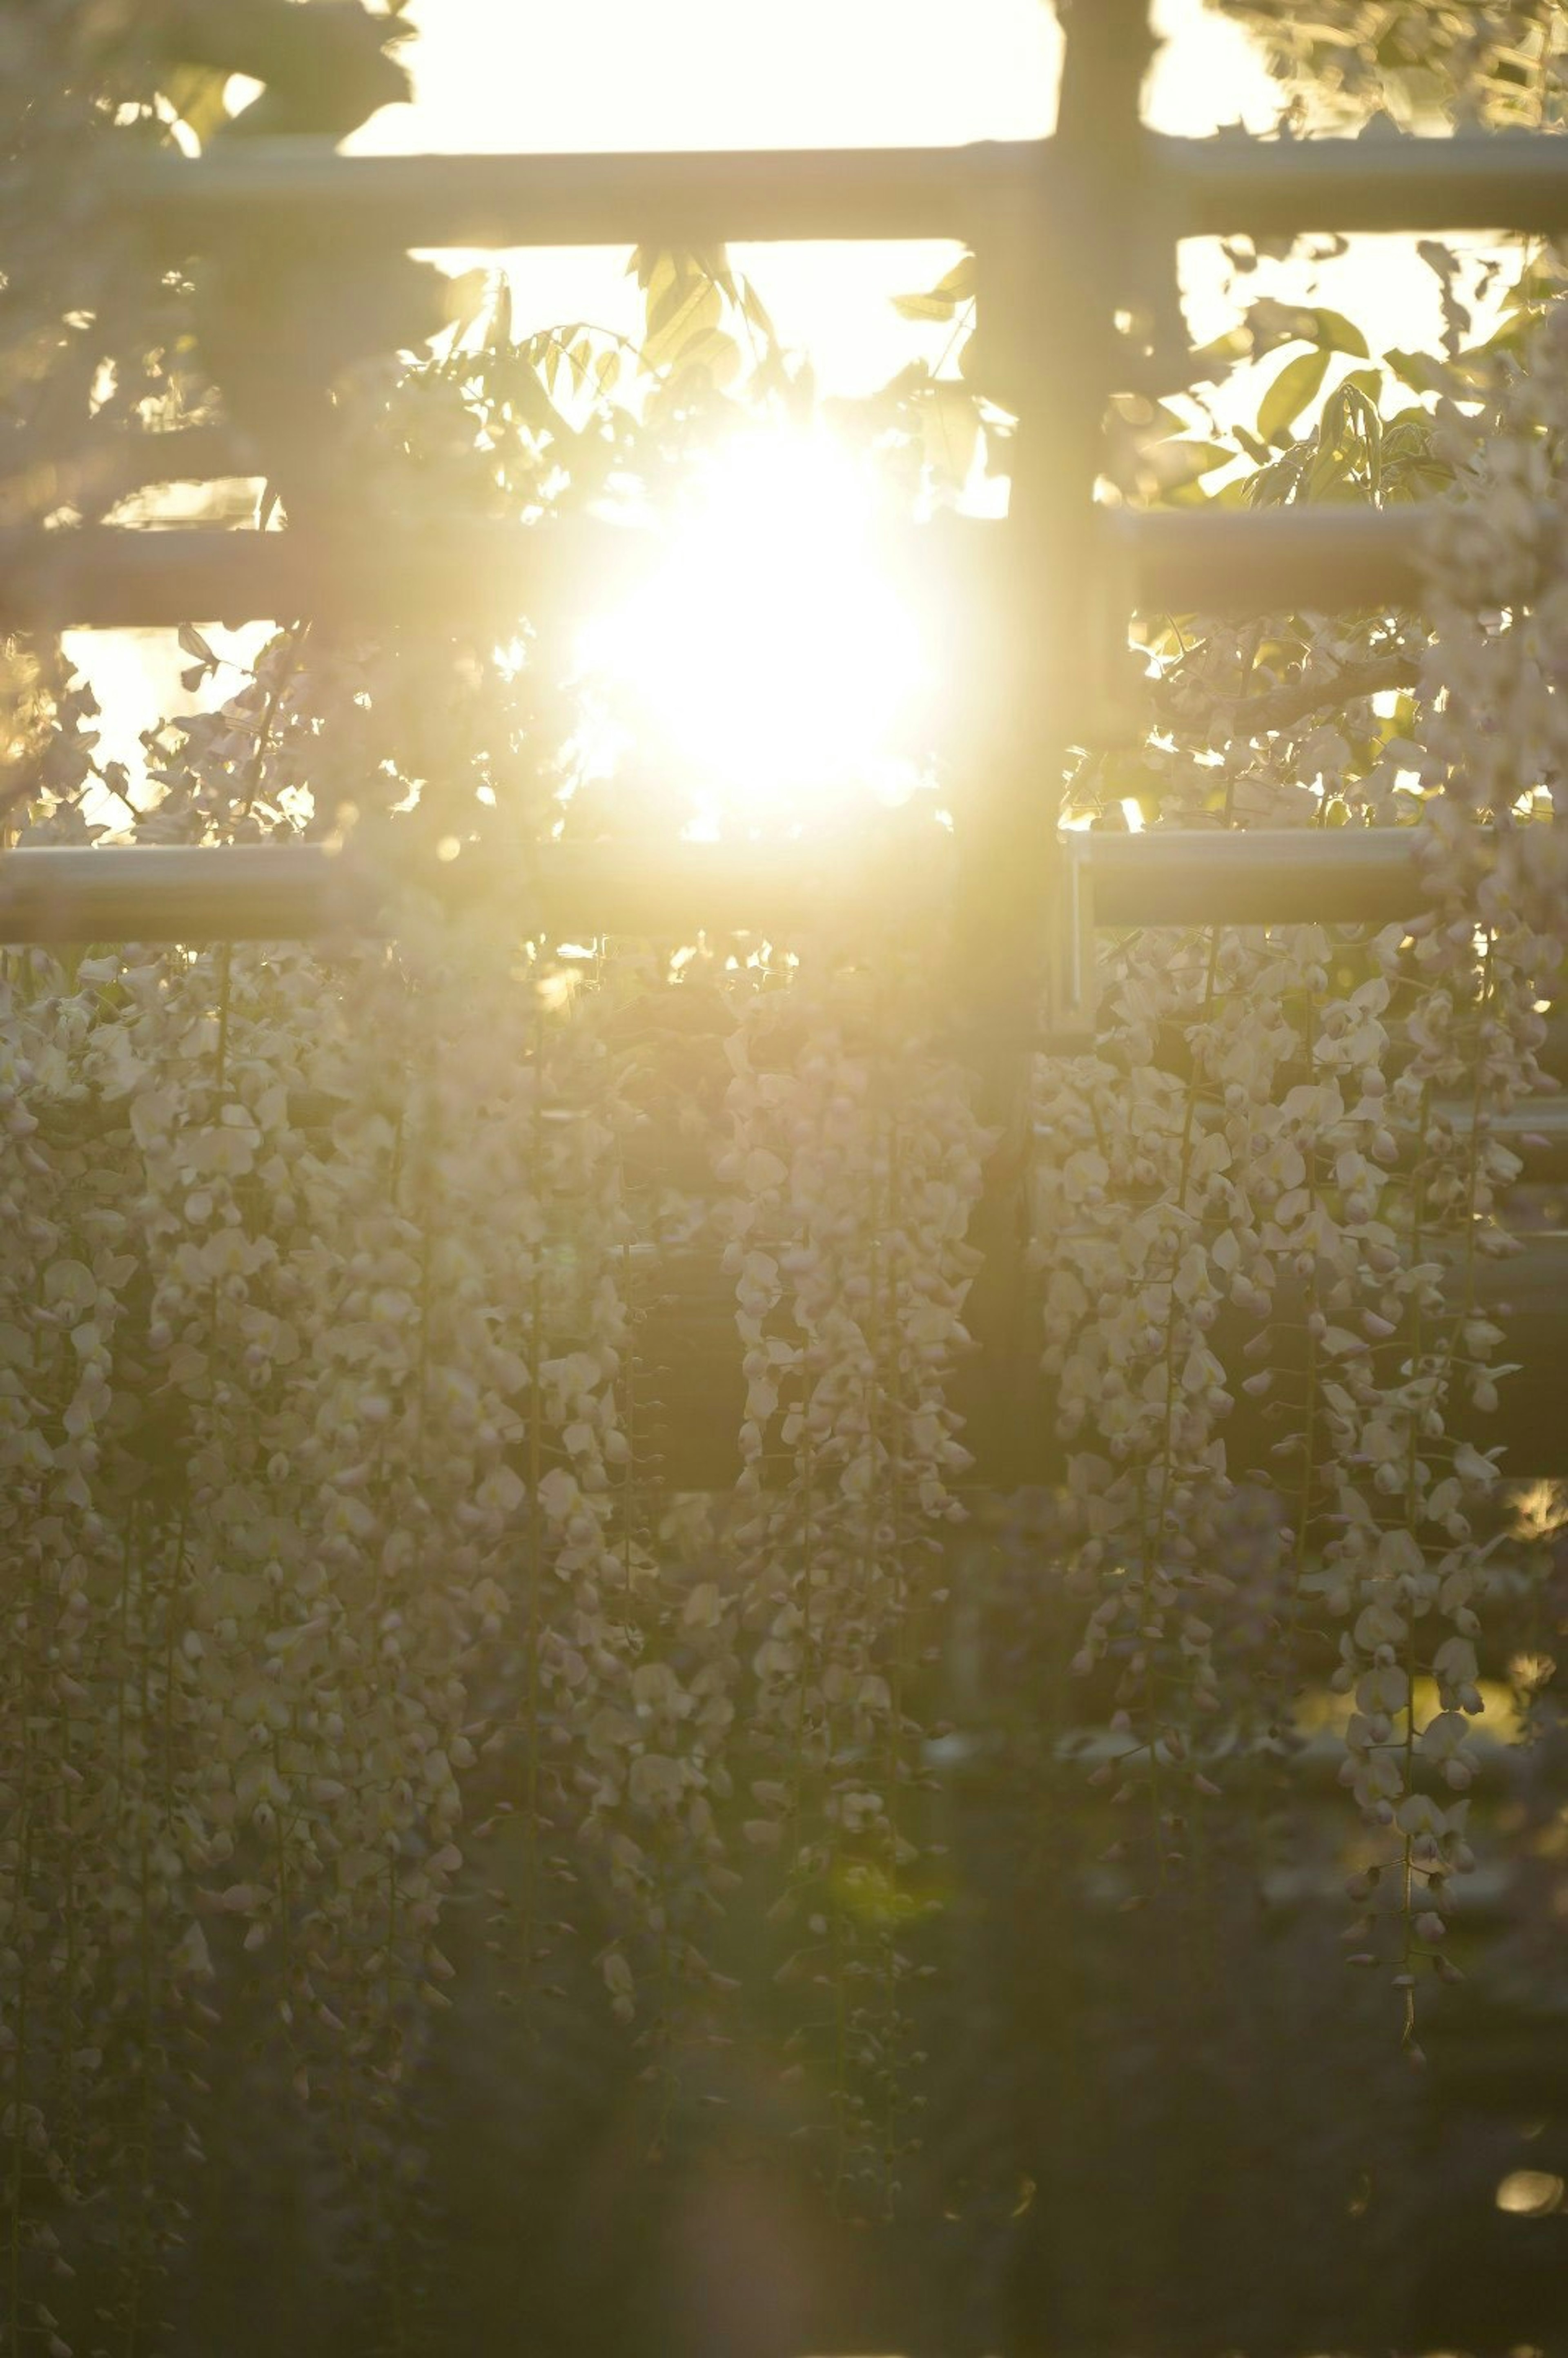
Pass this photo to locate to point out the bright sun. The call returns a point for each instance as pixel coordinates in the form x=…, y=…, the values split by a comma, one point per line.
x=769, y=664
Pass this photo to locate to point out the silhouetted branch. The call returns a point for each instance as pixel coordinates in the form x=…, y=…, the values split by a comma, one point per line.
x=1300, y=700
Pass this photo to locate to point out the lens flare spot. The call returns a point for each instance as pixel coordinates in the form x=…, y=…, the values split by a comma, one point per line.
x=1530, y=2193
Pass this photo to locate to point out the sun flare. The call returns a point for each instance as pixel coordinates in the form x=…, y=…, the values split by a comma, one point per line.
x=769, y=668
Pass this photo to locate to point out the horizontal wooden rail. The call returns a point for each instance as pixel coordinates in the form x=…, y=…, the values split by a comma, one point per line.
x=1369, y=876
x=641, y=199
x=1497, y=180
x=1514, y=180
x=578, y=891
x=1300, y=560
x=107, y=576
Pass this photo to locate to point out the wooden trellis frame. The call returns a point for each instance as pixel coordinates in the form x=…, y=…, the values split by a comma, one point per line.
x=1059, y=222
x=1048, y=221
x=1066, y=230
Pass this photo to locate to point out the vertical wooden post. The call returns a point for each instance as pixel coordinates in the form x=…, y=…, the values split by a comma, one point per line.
x=1051, y=275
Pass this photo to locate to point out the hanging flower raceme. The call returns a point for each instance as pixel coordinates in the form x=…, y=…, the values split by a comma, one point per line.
x=1296, y=1133
x=854, y=1166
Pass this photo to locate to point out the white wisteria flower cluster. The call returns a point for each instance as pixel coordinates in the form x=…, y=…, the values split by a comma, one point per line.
x=858, y=1162
x=1283, y=1156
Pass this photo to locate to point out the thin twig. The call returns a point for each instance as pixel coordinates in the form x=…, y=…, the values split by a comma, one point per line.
x=1282, y=708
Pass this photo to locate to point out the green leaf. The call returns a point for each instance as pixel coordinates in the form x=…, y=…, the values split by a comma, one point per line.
x=1336, y=333
x=651, y=263
x=537, y=411
x=951, y=424
x=1331, y=471
x=910, y=382
x=1270, y=322
x=1297, y=384
x=713, y=261
x=463, y=299
x=196, y=94
x=678, y=313
x=1423, y=371
x=942, y=299
x=1277, y=484
x=1215, y=360
x=1233, y=494
x=756, y=311
x=924, y=307
x=1165, y=467
x=1152, y=420
x=713, y=350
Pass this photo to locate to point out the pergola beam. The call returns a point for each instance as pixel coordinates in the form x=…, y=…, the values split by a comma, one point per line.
x=1326, y=559
x=1268, y=876
x=1506, y=181
x=501, y=201
x=1495, y=181
x=581, y=892
x=106, y=576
